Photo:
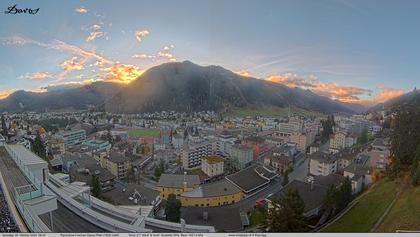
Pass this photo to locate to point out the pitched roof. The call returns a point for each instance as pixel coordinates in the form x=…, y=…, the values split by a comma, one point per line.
x=312, y=197
x=251, y=178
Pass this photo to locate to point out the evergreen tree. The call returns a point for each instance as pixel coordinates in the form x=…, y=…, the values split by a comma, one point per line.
x=415, y=167
x=173, y=209
x=331, y=198
x=364, y=138
x=286, y=215
x=38, y=147
x=285, y=178
x=345, y=194
x=4, y=131
x=96, y=186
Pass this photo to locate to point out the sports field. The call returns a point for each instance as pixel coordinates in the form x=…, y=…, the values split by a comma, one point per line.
x=144, y=133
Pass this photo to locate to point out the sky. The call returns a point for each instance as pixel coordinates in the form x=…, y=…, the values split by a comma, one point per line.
x=361, y=51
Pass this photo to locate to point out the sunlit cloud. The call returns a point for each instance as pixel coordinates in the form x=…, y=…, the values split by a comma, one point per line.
x=334, y=91
x=4, y=94
x=143, y=56
x=81, y=10
x=140, y=35
x=72, y=64
x=243, y=73
x=122, y=73
x=385, y=94
x=36, y=76
x=94, y=35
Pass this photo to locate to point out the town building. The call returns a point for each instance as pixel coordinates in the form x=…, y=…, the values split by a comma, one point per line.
x=118, y=164
x=176, y=184
x=322, y=164
x=241, y=156
x=212, y=165
x=73, y=137
x=193, y=152
x=212, y=195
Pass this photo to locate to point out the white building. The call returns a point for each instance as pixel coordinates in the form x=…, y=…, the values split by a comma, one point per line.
x=322, y=164
x=193, y=152
x=73, y=137
x=212, y=165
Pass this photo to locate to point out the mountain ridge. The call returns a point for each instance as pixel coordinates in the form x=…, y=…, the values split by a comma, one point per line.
x=180, y=86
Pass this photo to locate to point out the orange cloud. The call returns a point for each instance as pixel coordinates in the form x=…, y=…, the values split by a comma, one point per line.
x=387, y=94
x=37, y=76
x=243, y=73
x=140, y=35
x=122, y=73
x=332, y=90
x=81, y=10
x=4, y=94
x=71, y=64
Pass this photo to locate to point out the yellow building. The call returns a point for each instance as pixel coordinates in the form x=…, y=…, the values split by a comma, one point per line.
x=212, y=195
x=177, y=184
x=117, y=164
x=212, y=165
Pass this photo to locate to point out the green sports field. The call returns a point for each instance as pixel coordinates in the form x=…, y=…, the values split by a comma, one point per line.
x=144, y=133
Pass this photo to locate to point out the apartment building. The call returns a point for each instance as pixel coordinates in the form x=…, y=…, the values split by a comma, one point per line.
x=212, y=165
x=322, y=164
x=194, y=152
x=73, y=137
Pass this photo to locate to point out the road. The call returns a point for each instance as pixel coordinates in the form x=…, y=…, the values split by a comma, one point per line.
x=300, y=172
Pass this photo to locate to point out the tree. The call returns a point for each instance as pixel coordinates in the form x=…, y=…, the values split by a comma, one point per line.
x=173, y=208
x=285, y=178
x=415, y=168
x=159, y=169
x=331, y=198
x=38, y=147
x=4, y=131
x=363, y=139
x=286, y=215
x=109, y=137
x=327, y=128
x=96, y=186
x=345, y=194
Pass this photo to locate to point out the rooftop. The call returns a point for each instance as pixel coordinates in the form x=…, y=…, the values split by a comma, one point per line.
x=248, y=179
x=312, y=197
x=177, y=180
x=117, y=157
x=214, y=159
x=220, y=188
x=323, y=157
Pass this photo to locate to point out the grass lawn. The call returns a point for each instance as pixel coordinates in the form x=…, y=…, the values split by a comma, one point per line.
x=405, y=214
x=144, y=133
x=363, y=216
x=257, y=216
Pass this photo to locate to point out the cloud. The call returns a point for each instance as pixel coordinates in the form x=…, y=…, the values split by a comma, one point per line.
x=243, y=73
x=293, y=80
x=68, y=85
x=122, y=73
x=81, y=10
x=143, y=56
x=72, y=64
x=140, y=35
x=36, y=76
x=4, y=94
x=334, y=91
x=93, y=35
x=385, y=94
